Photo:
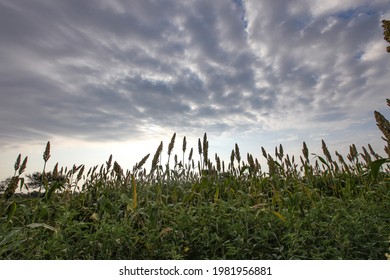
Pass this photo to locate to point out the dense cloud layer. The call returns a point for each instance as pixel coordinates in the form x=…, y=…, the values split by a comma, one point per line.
x=109, y=70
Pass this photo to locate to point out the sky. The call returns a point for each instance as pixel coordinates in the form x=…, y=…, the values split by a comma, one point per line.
x=105, y=77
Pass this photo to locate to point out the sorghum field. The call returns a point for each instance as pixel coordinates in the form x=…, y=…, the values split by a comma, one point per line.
x=194, y=206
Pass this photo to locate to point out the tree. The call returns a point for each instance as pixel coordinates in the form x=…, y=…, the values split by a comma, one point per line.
x=4, y=184
x=386, y=32
x=37, y=180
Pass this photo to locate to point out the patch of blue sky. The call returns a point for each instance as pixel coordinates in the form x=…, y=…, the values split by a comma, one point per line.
x=352, y=13
x=347, y=15
x=358, y=55
x=240, y=6
x=301, y=23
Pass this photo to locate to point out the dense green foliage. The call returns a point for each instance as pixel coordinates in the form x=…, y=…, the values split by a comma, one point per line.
x=327, y=211
x=321, y=208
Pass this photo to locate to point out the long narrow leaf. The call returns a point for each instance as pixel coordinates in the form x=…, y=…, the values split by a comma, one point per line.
x=134, y=192
x=280, y=216
x=36, y=225
x=9, y=236
x=11, y=211
x=322, y=160
x=376, y=165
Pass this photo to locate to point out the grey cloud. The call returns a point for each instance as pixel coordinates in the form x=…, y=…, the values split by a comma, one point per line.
x=319, y=56
x=105, y=70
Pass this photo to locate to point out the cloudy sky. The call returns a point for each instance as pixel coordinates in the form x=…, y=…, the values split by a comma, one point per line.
x=117, y=77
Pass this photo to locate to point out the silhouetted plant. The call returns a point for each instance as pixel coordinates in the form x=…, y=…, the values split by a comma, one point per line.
x=386, y=32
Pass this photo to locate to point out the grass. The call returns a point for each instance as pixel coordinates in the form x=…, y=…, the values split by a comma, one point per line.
x=322, y=207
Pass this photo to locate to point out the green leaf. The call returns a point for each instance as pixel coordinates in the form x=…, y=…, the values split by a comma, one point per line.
x=36, y=225
x=376, y=165
x=243, y=169
x=21, y=183
x=322, y=160
x=9, y=236
x=11, y=211
x=216, y=194
x=280, y=216
x=49, y=191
